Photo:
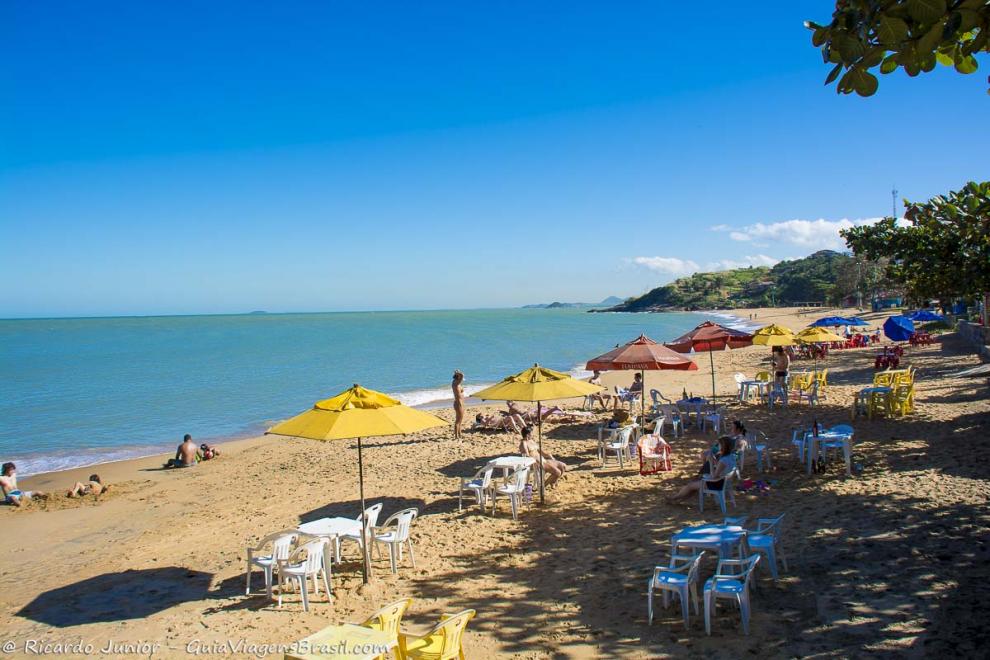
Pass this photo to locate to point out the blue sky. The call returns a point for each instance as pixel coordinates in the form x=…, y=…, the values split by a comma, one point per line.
x=226, y=157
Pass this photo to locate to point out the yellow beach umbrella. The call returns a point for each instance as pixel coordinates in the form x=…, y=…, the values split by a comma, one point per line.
x=774, y=335
x=537, y=384
x=817, y=336
x=355, y=413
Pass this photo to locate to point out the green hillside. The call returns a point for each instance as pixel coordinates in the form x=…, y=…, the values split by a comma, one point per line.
x=812, y=279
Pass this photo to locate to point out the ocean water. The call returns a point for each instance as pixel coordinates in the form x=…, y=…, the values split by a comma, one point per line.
x=76, y=392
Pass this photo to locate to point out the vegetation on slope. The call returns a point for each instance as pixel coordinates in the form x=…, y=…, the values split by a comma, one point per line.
x=825, y=276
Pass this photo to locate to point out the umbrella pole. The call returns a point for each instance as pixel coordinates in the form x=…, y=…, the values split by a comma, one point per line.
x=642, y=398
x=366, y=567
x=711, y=360
x=539, y=440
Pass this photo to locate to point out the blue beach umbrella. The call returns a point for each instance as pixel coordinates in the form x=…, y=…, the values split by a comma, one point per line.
x=898, y=328
x=830, y=321
x=925, y=315
x=856, y=321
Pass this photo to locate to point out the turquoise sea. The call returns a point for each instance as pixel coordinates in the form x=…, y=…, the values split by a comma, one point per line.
x=76, y=392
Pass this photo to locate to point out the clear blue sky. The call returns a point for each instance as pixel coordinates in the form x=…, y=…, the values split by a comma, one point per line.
x=230, y=156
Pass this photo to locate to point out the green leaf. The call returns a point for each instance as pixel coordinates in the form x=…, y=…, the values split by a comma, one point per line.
x=952, y=25
x=891, y=30
x=819, y=37
x=861, y=81
x=943, y=59
x=889, y=65
x=926, y=11
x=930, y=40
x=873, y=57
x=850, y=48
x=966, y=64
x=833, y=74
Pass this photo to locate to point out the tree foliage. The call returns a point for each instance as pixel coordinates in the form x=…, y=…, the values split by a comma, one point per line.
x=889, y=34
x=944, y=251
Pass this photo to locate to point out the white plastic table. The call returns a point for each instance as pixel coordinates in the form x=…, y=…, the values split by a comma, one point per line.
x=509, y=464
x=331, y=528
x=721, y=538
x=694, y=406
x=760, y=385
x=829, y=436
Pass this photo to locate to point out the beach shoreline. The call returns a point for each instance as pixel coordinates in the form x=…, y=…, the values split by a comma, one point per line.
x=161, y=557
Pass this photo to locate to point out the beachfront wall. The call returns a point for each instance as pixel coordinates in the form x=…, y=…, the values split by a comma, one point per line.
x=977, y=335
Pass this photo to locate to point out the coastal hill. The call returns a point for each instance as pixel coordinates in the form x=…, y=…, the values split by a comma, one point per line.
x=812, y=279
x=608, y=302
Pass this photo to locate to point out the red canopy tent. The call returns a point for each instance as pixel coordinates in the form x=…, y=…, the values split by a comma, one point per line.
x=710, y=337
x=640, y=354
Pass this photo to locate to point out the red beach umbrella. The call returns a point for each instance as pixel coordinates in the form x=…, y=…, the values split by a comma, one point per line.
x=710, y=337
x=641, y=354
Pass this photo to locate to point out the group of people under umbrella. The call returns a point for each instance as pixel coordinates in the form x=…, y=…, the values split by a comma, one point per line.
x=358, y=412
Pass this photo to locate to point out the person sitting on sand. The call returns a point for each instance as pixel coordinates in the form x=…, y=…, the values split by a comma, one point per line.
x=723, y=467
x=11, y=493
x=602, y=397
x=94, y=486
x=185, y=454
x=553, y=469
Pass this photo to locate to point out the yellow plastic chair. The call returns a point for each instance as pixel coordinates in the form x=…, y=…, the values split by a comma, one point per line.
x=388, y=619
x=442, y=642
x=901, y=400
x=883, y=379
x=763, y=376
x=822, y=378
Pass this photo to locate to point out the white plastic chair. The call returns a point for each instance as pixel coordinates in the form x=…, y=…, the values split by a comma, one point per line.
x=619, y=446
x=480, y=484
x=281, y=543
x=760, y=443
x=731, y=581
x=799, y=438
x=714, y=419
x=766, y=540
x=514, y=490
x=395, y=533
x=681, y=578
x=672, y=416
x=372, y=513
x=740, y=379
x=299, y=569
x=719, y=495
x=657, y=397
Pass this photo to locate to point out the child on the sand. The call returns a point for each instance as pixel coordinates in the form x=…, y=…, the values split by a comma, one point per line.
x=94, y=486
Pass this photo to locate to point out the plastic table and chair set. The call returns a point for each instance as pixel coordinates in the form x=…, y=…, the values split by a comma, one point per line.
x=738, y=550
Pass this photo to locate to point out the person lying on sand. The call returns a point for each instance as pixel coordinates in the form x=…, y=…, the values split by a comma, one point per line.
x=553, y=469
x=11, y=493
x=726, y=463
x=185, y=455
x=499, y=421
x=529, y=416
x=94, y=486
x=207, y=452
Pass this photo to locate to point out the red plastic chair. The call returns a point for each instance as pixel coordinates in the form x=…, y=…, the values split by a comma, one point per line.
x=654, y=455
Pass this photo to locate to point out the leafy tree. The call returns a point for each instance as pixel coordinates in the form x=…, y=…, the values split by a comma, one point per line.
x=945, y=250
x=890, y=34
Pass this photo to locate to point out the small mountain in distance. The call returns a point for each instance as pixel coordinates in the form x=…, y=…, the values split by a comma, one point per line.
x=611, y=301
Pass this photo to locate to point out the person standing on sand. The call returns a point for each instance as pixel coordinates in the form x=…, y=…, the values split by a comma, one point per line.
x=781, y=364
x=458, y=390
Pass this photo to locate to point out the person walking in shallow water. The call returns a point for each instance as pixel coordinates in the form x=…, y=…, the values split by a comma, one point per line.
x=458, y=390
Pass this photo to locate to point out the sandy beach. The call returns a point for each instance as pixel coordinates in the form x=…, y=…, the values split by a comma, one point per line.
x=893, y=560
